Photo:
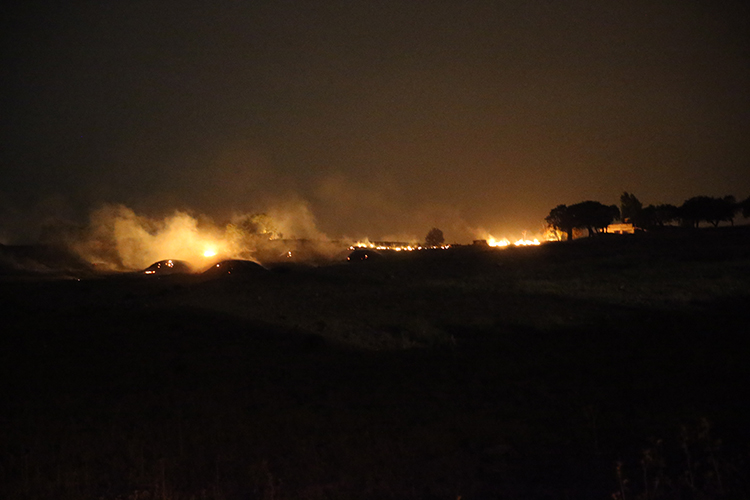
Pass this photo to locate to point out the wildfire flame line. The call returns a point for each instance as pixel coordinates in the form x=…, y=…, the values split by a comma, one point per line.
x=505, y=242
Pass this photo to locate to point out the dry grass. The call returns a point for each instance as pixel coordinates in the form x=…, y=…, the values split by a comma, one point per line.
x=516, y=374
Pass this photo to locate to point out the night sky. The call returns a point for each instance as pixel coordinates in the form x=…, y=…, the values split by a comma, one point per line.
x=383, y=118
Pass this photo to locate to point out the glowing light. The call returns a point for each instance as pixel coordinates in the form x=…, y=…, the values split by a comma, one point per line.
x=393, y=246
x=525, y=243
x=497, y=243
x=210, y=252
x=505, y=242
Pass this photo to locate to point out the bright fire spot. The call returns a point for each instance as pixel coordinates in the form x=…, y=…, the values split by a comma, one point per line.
x=505, y=242
x=209, y=253
x=394, y=246
x=525, y=243
x=497, y=243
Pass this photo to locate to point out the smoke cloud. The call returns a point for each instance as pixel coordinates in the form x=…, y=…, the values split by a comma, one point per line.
x=119, y=239
x=268, y=226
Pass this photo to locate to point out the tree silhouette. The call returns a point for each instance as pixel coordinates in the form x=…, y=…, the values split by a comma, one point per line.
x=723, y=210
x=666, y=213
x=594, y=216
x=657, y=216
x=434, y=238
x=561, y=219
x=630, y=207
x=745, y=206
x=693, y=210
x=708, y=209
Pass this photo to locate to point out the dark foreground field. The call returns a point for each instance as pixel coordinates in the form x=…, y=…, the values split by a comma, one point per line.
x=582, y=370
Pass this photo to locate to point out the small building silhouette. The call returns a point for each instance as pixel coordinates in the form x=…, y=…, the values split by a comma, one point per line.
x=622, y=228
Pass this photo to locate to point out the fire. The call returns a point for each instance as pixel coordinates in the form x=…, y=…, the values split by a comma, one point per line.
x=210, y=252
x=505, y=242
x=491, y=241
x=395, y=246
x=407, y=247
x=525, y=243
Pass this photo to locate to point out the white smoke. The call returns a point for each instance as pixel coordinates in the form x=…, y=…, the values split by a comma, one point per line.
x=118, y=239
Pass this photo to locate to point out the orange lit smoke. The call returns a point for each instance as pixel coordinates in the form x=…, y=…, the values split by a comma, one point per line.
x=118, y=239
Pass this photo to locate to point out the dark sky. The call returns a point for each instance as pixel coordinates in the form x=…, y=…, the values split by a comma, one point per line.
x=385, y=117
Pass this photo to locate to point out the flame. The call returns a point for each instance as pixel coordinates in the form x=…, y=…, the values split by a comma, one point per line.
x=491, y=241
x=393, y=246
x=210, y=252
x=505, y=242
x=524, y=243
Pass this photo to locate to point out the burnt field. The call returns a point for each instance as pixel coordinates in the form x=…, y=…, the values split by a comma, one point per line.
x=571, y=370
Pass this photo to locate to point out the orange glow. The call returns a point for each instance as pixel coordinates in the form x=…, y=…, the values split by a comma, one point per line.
x=393, y=246
x=491, y=241
x=505, y=242
x=210, y=252
x=525, y=243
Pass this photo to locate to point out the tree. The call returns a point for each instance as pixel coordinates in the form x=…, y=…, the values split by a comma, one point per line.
x=659, y=215
x=561, y=219
x=693, y=210
x=594, y=216
x=434, y=238
x=723, y=210
x=666, y=213
x=630, y=207
x=745, y=205
x=708, y=209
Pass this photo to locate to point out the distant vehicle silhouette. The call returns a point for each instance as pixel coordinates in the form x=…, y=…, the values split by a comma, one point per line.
x=363, y=254
x=169, y=266
x=234, y=267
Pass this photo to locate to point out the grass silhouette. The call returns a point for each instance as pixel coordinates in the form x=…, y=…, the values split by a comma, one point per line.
x=479, y=373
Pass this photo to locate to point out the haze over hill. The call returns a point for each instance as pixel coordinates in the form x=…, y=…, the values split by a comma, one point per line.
x=373, y=119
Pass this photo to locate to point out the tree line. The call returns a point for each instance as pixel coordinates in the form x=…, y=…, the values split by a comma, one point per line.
x=595, y=216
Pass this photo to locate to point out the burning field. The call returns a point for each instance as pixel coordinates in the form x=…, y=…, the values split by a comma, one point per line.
x=118, y=239
x=584, y=369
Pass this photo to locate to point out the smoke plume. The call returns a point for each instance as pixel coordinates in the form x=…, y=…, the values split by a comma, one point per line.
x=118, y=239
